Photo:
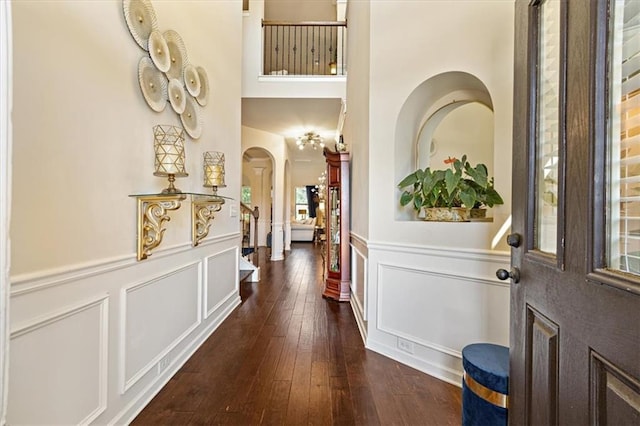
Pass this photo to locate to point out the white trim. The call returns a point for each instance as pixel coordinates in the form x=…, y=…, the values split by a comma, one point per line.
x=364, y=285
x=441, y=372
x=142, y=399
x=431, y=345
x=448, y=252
x=302, y=79
x=102, y=302
x=205, y=283
x=6, y=103
x=126, y=384
x=26, y=283
x=443, y=274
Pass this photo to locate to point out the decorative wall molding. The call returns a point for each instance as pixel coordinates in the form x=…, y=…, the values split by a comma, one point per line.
x=205, y=280
x=127, y=383
x=27, y=283
x=101, y=302
x=438, y=371
x=142, y=399
x=380, y=320
x=360, y=243
x=448, y=252
x=458, y=275
x=360, y=304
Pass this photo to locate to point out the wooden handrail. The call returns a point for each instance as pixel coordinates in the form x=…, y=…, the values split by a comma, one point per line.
x=304, y=23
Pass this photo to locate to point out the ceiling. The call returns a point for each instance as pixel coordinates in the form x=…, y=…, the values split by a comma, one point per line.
x=290, y=118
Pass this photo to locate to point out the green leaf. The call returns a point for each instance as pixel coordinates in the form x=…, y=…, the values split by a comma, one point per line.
x=428, y=182
x=418, y=201
x=478, y=174
x=409, y=180
x=406, y=198
x=468, y=197
x=451, y=180
x=493, y=198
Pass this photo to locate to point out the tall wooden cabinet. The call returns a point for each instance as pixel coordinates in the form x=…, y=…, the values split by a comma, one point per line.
x=338, y=267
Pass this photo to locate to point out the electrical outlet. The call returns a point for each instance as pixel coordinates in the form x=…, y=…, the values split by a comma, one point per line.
x=163, y=364
x=405, y=345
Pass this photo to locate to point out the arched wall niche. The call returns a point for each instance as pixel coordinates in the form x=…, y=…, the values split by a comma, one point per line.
x=452, y=106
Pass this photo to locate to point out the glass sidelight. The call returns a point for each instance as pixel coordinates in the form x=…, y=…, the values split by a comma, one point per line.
x=548, y=126
x=623, y=136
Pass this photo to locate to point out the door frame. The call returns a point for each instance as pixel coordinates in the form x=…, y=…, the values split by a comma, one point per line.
x=5, y=196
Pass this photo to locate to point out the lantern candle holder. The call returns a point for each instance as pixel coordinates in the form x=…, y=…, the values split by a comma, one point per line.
x=213, y=166
x=169, y=155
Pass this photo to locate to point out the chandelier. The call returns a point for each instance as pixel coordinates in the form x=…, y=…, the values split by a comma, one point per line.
x=310, y=138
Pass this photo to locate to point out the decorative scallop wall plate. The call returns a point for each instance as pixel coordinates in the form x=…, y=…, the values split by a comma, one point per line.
x=203, y=96
x=153, y=84
x=141, y=20
x=177, y=54
x=191, y=120
x=192, y=80
x=177, y=96
x=159, y=51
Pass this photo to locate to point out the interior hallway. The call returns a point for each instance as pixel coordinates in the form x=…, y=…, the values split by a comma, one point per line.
x=288, y=356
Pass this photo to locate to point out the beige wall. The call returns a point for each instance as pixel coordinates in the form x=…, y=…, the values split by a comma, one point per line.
x=83, y=133
x=299, y=10
x=357, y=124
x=103, y=331
x=473, y=37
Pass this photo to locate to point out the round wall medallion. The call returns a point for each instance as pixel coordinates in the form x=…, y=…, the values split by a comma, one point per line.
x=177, y=96
x=141, y=20
x=203, y=96
x=177, y=54
x=159, y=51
x=191, y=120
x=153, y=84
x=192, y=80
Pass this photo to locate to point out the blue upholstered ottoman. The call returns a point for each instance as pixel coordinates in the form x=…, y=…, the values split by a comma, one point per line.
x=485, y=386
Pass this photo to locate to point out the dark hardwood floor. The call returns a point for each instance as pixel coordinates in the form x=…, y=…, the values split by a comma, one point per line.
x=286, y=356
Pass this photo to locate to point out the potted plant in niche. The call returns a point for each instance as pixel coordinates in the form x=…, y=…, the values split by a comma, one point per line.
x=486, y=194
x=448, y=195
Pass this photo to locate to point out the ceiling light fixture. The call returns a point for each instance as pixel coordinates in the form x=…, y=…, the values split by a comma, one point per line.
x=310, y=138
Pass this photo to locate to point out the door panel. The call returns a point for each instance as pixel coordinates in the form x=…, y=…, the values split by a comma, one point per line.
x=542, y=371
x=615, y=394
x=575, y=312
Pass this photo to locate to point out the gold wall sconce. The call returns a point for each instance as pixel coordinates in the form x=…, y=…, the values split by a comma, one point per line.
x=153, y=209
x=213, y=166
x=203, y=208
x=168, y=144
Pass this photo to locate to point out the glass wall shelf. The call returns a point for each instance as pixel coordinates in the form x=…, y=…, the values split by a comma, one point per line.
x=153, y=213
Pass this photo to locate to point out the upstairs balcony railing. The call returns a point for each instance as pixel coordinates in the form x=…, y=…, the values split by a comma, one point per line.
x=304, y=48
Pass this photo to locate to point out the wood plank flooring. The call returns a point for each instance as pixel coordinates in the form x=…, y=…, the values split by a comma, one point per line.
x=286, y=356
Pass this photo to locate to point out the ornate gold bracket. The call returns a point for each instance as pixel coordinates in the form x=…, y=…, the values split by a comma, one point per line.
x=202, y=210
x=152, y=213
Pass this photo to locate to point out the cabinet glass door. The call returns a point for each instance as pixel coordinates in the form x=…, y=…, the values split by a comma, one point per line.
x=334, y=229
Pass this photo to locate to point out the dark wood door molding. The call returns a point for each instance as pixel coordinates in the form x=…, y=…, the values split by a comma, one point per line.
x=575, y=337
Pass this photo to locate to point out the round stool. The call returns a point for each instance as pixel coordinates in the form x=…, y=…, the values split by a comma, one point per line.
x=485, y=384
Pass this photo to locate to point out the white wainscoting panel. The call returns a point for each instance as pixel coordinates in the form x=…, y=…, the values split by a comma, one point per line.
x=359, y=286
x=441, y=311
x=157, y=315
x=221, y=279
x=425, y=303
x=58, y=366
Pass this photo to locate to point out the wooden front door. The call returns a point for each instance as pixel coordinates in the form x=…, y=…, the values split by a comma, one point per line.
x=575, y=299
